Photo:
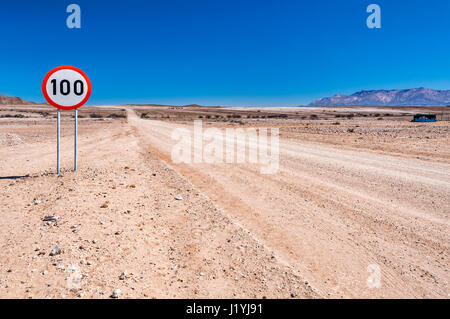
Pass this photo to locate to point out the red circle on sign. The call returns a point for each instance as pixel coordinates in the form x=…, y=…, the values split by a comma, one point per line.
x=66, y=67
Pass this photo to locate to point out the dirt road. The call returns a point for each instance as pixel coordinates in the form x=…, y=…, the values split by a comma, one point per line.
x=119, y=213
x=310, y=230
x=330, y=213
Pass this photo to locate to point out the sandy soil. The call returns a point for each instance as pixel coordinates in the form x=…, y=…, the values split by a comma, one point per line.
x=346, y=196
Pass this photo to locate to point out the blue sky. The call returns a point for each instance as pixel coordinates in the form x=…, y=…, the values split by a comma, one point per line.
x=226, y=52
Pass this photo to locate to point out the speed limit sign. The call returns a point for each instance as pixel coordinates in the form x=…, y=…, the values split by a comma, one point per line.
x=66, y=88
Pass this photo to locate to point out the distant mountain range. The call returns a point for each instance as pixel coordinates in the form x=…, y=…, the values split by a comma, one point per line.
x=408, y=97
x=10, y=100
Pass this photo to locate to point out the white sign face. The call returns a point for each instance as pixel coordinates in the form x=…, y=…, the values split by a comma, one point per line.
x=66, y=87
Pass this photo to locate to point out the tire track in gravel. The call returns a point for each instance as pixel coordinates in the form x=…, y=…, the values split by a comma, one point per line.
x=329, y=213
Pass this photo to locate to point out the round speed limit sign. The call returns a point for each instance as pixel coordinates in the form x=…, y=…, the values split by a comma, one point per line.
x=66, y=87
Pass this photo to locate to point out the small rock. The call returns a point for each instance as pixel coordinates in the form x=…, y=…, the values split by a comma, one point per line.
x=50, y=219
x=115, y=293
x=37, y=202
x=44, y=272
x=179, y=197
x=293, y=295
x=55, y=251
x=72, y=268
x=105, y=205
x=124, y=275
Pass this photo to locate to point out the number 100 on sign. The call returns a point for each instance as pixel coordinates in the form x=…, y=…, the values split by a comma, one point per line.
x=66, y=87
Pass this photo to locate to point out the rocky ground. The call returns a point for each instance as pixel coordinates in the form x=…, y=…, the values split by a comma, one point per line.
x=132, y=224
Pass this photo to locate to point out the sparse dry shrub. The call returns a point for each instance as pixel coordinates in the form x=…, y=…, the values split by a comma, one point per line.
x=18, y=116
x=116, y=116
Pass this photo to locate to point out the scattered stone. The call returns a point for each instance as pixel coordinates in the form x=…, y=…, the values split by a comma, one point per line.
x=55, y=251
x=105, y=205
x=115, y=293
x=124, y=275
x=179, y=197
x=72, y=268
x=50, y=219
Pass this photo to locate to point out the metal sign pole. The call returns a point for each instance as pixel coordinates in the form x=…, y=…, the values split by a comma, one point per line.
x=76, y=138
x=58, y=138
x=66, y=98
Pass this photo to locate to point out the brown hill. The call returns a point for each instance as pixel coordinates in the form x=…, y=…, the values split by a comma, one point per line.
x=11, y=100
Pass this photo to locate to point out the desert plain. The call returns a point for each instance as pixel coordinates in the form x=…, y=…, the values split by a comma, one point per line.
x=357, y=189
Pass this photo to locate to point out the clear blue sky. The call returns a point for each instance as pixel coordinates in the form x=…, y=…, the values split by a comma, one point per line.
x=226, y=52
